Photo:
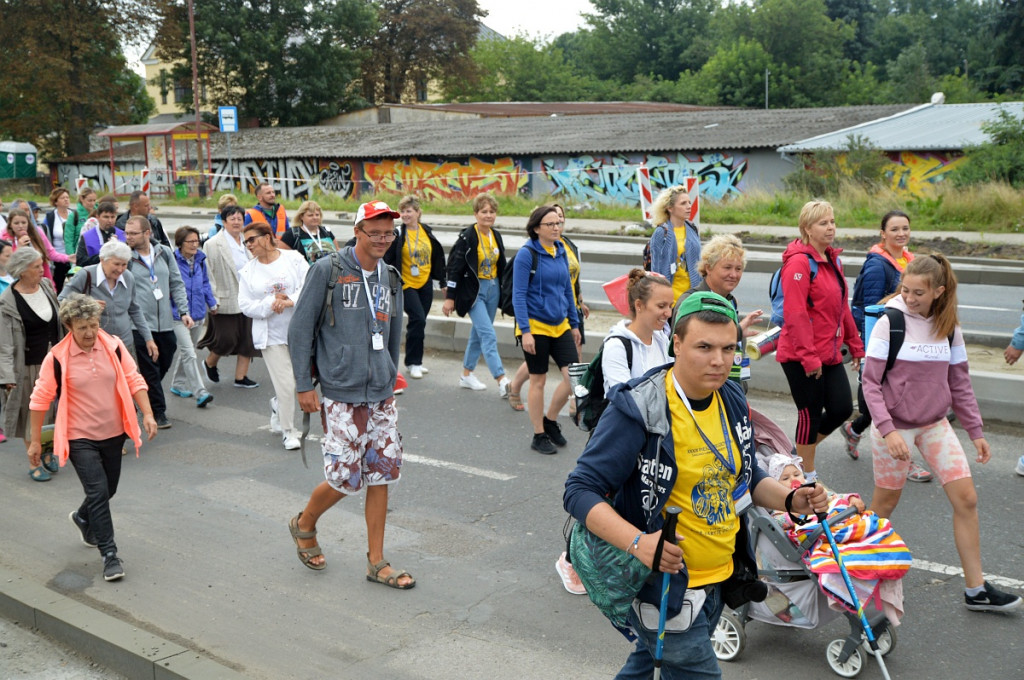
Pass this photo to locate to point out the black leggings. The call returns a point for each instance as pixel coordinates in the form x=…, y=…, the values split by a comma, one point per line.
x=829, y=393
x=863, y=421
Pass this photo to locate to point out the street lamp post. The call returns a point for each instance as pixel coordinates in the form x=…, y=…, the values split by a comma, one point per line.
x=201, y=181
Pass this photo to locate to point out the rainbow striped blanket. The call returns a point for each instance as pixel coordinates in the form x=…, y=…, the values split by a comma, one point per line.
x=869, y=546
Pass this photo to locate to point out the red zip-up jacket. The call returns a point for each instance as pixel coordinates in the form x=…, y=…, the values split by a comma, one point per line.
x=815, y=333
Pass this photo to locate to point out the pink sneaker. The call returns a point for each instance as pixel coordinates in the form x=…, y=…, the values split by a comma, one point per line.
x=3, y=437
x=570, y=580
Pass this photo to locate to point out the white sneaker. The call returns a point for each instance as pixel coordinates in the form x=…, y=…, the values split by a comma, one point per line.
x=470, y=382
x=1020, y=466
x=291, y=442
x=275, y=421
x=504, y=386
x=416, y=372
x=424, y=369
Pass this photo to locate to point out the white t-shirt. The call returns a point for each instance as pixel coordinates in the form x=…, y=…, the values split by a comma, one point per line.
x=238, y=252
x=269, y=279
x=58, y=231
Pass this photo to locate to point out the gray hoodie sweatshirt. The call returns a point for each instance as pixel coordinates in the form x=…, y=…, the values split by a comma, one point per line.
x=350, y=370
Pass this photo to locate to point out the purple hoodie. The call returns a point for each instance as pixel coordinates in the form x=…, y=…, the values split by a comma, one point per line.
x=929, y=376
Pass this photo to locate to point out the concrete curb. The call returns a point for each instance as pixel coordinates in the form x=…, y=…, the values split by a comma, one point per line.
x=998, y=395
x=110, y=642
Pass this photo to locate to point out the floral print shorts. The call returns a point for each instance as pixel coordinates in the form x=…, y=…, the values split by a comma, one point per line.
x=361, y=444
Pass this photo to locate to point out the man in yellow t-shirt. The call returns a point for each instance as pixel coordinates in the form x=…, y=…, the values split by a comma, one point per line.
x=681, y=435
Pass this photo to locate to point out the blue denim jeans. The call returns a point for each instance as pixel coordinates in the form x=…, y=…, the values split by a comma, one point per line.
x=685, y=656
x=482, y=338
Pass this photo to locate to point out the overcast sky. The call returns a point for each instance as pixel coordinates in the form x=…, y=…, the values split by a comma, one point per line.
x=545, y=18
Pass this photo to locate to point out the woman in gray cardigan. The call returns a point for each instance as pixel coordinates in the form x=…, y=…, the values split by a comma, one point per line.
x=113, y=286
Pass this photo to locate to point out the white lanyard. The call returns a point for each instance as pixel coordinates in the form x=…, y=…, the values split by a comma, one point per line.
x=316, y=238
x=373, y=302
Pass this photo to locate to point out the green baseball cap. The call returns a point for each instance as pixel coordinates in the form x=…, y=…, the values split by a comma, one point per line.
x=702, y=301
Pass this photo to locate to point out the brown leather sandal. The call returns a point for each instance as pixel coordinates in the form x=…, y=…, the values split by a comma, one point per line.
x=391, y=580
x=515, y=401
x=306, y=555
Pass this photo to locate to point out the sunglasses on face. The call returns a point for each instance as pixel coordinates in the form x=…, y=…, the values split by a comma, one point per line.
x=252, y=239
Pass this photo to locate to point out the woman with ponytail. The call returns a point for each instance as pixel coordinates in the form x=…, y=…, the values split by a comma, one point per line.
x=932, y=361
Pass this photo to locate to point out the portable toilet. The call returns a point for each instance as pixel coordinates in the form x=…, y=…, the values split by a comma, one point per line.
x=17, y=160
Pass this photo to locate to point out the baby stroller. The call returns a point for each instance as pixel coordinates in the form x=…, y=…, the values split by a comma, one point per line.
x=795, y=598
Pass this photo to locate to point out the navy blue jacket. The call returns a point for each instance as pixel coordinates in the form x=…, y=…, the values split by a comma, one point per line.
x=631, y=459
x=878, y=277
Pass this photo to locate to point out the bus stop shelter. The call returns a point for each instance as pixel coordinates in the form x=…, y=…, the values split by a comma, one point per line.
x=177, y=158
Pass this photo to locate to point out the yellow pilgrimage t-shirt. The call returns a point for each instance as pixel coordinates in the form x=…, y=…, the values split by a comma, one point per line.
x=486, y=255
x=416, y=251
x=703, y=489
x=681, y=279
x=540, y=328
x=901, y=262
x=574, y=273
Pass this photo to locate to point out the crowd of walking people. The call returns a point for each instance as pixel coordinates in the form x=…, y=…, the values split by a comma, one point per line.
x=93, y=302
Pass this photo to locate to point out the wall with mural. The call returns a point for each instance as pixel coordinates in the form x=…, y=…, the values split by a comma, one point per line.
x=917, y=172
x=572, y=179
x=98, y=175
x=612, y=179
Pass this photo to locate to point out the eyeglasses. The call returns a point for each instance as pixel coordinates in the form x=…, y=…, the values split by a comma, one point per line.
x=133, y=233
x=551, y=224
x=252, y=239
x=191, y=242
x=381, y=238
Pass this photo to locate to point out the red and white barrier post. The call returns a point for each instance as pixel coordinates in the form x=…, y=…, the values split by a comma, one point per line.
x=693, y=189
x=80, y=183
x=144, y=180
x=643, y=180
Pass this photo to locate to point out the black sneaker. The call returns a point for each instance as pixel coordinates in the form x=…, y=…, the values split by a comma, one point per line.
x=553, y=430
x=245, y=383
x=83, y=528
x=113, y=570
x=161, y=421
x=211, y=372
x=992, y=600
x=542, y=444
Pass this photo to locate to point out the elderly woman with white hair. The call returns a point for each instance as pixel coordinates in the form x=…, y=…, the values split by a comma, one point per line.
x=87, y=365
x=28, y=328
x=113, y=286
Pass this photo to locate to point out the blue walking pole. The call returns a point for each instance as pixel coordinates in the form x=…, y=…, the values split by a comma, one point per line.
x=668, y=533
x=823, y=518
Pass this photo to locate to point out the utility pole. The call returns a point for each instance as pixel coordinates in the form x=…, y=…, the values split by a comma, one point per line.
x=766, y=74
x=201, y=177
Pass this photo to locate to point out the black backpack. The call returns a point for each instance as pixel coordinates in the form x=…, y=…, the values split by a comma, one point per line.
x=505, y=292
x=897, y=333
x=591, y=404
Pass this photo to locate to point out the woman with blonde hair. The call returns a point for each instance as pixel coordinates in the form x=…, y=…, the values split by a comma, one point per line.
x=307, y=236
x=475, y=266
x=818, y=323
x=675, y=243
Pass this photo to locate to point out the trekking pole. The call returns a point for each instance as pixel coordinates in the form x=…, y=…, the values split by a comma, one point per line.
x=668, y=532
x=823, y=518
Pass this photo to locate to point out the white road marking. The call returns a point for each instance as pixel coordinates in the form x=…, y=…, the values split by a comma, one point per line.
x=988, y=309
x=467, y=469
x=948, y=570
x=433, y=462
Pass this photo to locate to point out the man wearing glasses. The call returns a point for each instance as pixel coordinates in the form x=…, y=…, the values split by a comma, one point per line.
x=347, y=327
x=157, y=279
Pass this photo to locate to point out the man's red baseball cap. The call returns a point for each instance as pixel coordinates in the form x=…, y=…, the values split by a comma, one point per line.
x=374, y=209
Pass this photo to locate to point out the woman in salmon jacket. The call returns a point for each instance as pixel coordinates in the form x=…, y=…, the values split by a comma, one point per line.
x=89, y=367
x=909, y=402
x=818, y=322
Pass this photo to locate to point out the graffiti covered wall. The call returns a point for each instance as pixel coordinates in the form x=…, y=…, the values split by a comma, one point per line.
x=292, y=177
x=612, y=179
x=446, y=179
x=98, y=176
x=916, y=173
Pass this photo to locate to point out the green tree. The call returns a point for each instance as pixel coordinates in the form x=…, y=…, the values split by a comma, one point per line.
x=64, y=72
x=735, y=75
x=288, y=62
x=1001, y=159
x=518, y=69
x=418, y=40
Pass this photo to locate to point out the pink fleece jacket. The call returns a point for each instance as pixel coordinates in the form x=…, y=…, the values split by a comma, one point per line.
x=929, y=376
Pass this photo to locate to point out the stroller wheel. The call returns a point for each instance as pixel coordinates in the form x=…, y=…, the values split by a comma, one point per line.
x=729, y=638
x=886, y=641
x=849, y=668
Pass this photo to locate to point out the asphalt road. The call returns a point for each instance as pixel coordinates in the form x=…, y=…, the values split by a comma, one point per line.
x=202, y=517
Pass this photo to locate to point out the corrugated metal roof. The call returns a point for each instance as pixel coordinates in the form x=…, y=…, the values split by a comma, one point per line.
x=505, y=109
x=708, y=130
x=931, y=127
x=153, y=129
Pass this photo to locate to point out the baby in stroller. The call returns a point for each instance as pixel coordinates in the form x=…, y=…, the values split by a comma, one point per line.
x=806, y=588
